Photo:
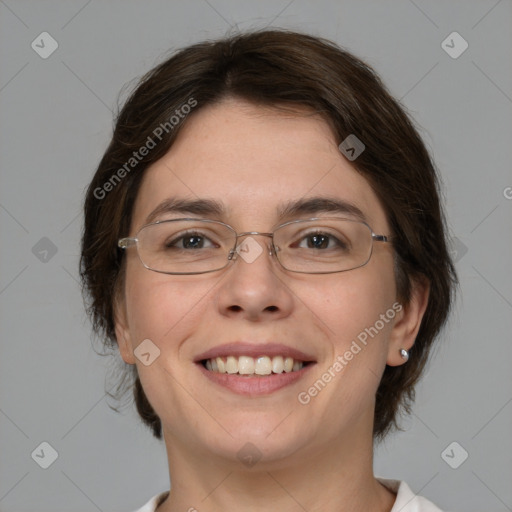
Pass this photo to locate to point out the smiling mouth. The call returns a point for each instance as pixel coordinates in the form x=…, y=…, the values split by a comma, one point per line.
x=261, y=366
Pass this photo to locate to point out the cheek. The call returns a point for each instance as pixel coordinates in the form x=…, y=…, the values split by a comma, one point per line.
x=358, y=311
x=162, y=307
x=354, y=300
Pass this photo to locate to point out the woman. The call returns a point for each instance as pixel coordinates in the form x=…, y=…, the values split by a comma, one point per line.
x=264, y=244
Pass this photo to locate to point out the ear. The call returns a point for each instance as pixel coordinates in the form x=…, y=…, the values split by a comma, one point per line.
x=122, y=331
x=408, y=322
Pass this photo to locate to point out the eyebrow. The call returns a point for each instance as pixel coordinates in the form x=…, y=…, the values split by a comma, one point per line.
x=211, y=208
x=315, y=205
x=203, y=207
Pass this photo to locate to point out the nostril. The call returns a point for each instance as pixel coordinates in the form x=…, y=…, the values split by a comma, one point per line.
x=235, y=308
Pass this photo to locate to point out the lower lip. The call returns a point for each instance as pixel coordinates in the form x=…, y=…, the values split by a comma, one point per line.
x=254, y=385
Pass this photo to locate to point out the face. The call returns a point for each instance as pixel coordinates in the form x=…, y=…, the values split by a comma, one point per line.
x=253, y=161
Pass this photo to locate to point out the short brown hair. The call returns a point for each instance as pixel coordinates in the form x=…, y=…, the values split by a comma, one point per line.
x=278, y=68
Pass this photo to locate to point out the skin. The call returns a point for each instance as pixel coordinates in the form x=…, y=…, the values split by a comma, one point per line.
x=316, y=456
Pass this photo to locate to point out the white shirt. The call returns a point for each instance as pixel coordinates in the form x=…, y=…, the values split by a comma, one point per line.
x=406, y=500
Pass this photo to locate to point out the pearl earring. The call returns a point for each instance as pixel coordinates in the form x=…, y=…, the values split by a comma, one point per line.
x=405, y=354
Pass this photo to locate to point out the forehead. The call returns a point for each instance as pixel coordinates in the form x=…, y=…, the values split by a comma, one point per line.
x=254, y=161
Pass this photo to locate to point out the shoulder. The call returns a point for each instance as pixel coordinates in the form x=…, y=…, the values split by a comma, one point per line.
x=406, y=500
x=153, y=503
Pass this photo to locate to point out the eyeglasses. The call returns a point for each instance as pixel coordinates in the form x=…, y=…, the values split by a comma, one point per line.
x=197, y=246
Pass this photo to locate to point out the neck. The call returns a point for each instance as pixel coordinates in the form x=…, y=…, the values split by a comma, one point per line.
x=333, y=477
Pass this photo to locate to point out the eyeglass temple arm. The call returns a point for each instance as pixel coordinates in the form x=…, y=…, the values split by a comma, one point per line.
x=380, y=238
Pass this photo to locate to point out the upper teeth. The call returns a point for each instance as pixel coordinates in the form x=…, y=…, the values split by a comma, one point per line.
x=245, y=365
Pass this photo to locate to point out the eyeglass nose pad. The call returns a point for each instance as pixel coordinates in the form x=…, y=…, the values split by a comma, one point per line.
x=274, y=250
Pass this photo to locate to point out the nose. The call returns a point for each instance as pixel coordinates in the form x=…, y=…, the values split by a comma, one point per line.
x=249, y=249
x=254, y=289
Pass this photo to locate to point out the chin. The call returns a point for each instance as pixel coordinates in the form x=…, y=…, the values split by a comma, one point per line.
x=268, y=442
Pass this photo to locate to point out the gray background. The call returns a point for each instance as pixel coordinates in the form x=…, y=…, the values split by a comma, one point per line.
x=56, y=122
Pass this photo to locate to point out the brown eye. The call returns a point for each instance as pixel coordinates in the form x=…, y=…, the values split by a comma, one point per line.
x=318, y=242
x=321, y=241
x=190, y=241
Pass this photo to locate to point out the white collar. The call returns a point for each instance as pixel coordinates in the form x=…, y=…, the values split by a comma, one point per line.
x=406, y=500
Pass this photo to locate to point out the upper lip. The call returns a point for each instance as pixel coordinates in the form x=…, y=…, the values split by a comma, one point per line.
x=241, y=348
